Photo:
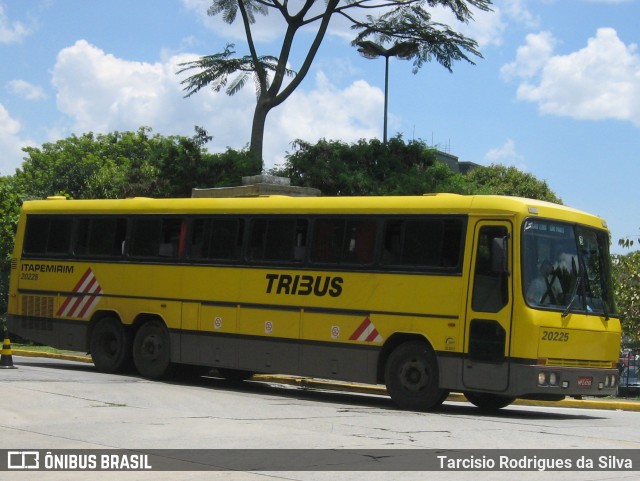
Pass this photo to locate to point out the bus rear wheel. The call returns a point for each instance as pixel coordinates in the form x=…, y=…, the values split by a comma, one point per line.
x=412, y=379
x=488, y=402
x=152, y=350
x=110, y=346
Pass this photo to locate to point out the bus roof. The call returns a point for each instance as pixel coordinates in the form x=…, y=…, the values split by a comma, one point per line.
x=429, y=203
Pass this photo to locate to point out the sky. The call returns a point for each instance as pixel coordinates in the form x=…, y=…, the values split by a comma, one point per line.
x=556, y=92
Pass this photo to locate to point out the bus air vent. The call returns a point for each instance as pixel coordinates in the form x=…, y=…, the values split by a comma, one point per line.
x=37, y=306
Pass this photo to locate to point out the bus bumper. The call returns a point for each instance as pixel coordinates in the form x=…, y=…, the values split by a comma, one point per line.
x=551, y=382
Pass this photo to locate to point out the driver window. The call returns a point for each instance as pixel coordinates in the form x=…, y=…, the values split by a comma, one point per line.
x=490, y=288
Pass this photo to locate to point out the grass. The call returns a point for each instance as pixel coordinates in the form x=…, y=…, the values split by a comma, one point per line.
x=39, y=348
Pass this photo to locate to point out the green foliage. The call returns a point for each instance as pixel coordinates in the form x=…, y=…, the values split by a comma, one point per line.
x=10, y=202
x=502, y=180
x=127, y=164
x=627, y=242
x=370, y=168
x=626, y=274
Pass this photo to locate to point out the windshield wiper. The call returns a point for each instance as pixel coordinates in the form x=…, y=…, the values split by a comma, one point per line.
x=574, y=294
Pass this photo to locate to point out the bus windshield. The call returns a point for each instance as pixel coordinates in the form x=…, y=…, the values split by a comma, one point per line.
x=565, y=267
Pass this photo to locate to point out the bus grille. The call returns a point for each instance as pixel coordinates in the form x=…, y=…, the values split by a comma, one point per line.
x=37, y=306
x=579, y=363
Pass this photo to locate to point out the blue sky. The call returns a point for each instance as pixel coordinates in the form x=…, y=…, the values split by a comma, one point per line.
x=557, y=93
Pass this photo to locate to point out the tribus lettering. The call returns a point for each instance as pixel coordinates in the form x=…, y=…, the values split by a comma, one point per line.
x=304, y=285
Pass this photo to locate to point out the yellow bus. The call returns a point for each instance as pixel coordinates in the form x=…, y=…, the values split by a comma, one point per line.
x=496, y=297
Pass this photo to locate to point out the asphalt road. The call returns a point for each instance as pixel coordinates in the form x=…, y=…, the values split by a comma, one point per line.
x=53, y=404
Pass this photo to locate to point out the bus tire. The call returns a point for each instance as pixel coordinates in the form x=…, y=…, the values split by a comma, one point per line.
x=412, y=379
x=488, y=402
x=152, y=350
x=110, y=346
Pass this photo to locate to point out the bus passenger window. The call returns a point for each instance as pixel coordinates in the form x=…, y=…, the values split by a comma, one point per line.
x=341, y=241
x=48, y=235
x=217, y=238
x=278, y=239
x=327, y=241
x=360, y=242
x=159, y=237
x=422, y=243
x=100, y=236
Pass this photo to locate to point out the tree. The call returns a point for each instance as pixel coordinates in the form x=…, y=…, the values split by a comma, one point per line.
x=399, y=20
x=627, y=241
x=10, y=202
x=503, y=180
x=127, y=164
x=626, y=279
x=370, y=168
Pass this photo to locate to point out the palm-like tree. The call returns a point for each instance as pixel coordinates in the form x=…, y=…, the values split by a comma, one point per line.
x=401, y=20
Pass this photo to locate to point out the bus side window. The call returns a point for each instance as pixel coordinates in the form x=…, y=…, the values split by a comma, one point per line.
x=422, y=243
x=344, y=241
x=157, y=237
x=48, y=235
x=327, y=240
x=278, y=239
x=360, y=242
x=101, y=236
x=216, y=238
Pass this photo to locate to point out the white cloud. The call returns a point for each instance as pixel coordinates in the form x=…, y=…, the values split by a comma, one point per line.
x=101, y=93
x=506, y=154
x=348, y=114
x=532, y=57
x=11, y=143
x=518, y=10
x=11, y=32
x=26, y=90
x=600, y=81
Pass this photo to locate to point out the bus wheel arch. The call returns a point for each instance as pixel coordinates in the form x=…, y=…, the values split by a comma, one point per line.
x=412, y=376
x=109, y=342
x=152, y=347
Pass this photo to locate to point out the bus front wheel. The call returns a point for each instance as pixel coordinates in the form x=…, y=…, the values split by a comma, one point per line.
x=412, y=379
x=488, y=402
x=110, y=346
x=152, y=350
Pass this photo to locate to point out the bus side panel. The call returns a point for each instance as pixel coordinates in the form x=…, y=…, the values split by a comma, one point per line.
x=322, y=353
x=208, y=335
x=61, y=334
x=269, y=340
x=36, y=302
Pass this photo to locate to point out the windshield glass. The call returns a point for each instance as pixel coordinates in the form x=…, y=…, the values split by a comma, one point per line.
x=566, y=267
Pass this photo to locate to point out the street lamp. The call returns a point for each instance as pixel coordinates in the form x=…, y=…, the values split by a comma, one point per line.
x=403, y=50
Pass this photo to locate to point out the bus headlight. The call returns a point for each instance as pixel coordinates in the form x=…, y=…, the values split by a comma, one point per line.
x=548, y=379
x=542, y=379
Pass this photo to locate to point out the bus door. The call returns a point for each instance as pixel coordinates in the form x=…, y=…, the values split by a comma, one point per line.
x=489, y=308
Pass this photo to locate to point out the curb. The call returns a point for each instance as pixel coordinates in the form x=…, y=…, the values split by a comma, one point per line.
x=51, y=355
x=310, y=383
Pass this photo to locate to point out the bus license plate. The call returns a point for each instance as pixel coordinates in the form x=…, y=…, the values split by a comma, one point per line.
x=585, y=381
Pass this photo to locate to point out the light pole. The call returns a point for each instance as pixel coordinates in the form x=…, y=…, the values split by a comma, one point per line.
x=373, y=50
